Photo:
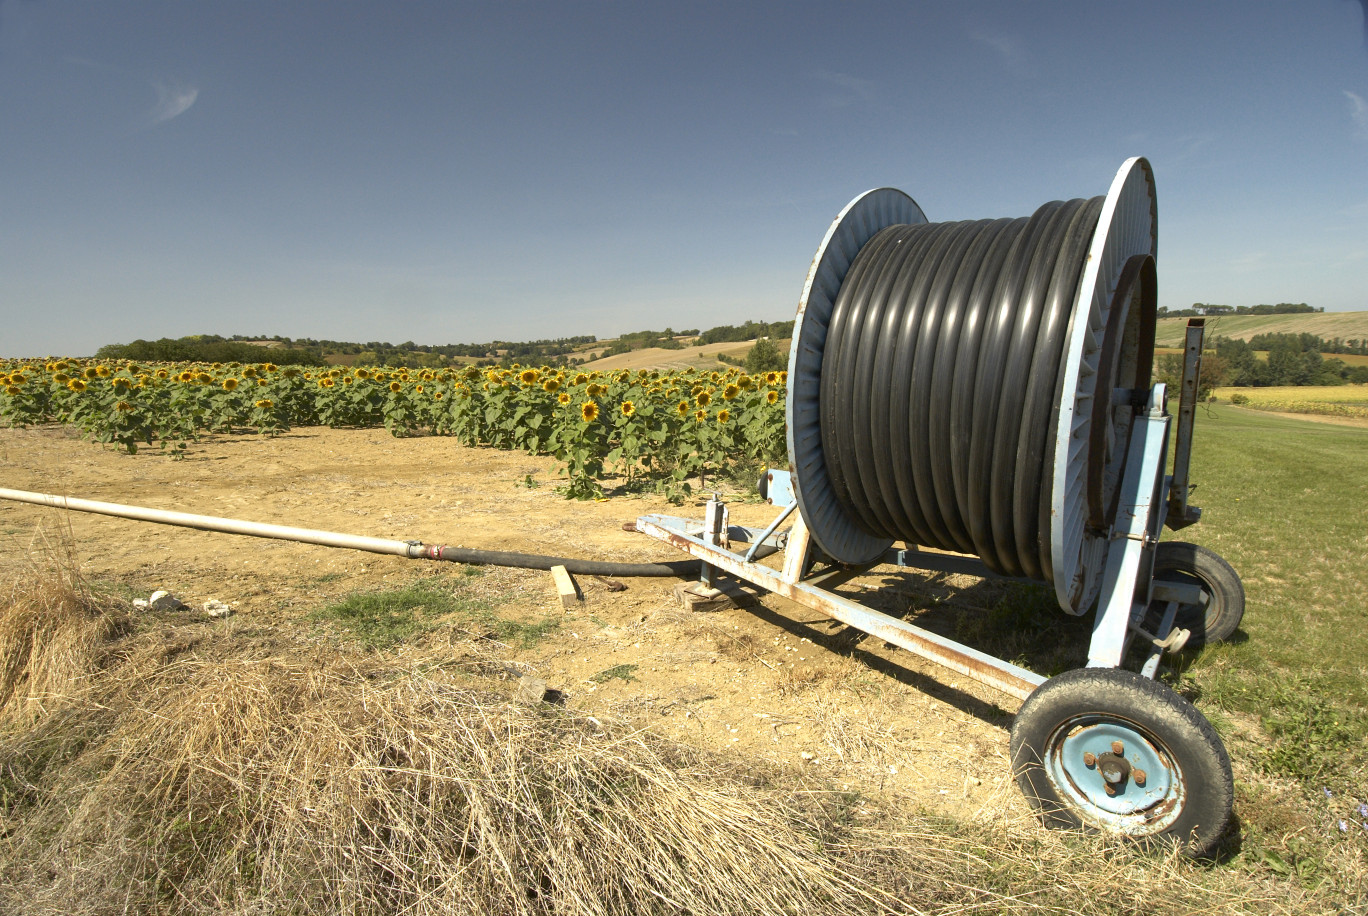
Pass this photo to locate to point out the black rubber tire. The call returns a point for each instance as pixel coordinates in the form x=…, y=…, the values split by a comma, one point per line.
x=1089, y=697
x=1192, y=563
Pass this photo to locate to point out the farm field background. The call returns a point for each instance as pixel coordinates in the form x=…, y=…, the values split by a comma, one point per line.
x=1335, y=402
x=1328, y=325
x=776, y=687
x=668, y=429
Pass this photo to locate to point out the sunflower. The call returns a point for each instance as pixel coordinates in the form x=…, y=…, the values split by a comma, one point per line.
x=771, y=377
x=563, y=397
x=76, y=385
x=61, y=378
x=730, y=392
x=204, y=378
x=581, y=378
x=746, y=383
x=783, y=377
x=262, y=383
x=326, y=382
x=348, y=380
x=13, y=390
x=249, y=372
x=91, y=373
x=704, y=399
x=700, y=416
x=589, y=411
x=229, y=384
x=396, y=386
x=123, y=407
x=529, y=376
x=18, y=378
x=772, y=396
x=102, y=371
x=162, y=373
x=551, y=385
x=628, y=408
x=265, y=403
x=418, y=388
x=682, y=408
x=723, y=415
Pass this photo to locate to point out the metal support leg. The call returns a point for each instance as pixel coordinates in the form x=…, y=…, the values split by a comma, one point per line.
x=715, y=533
x=1117, y=606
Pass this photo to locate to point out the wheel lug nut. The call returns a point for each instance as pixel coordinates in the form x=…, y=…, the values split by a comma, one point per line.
x=1118, y=748
x=1089, y=758
x=1109, y=788
x=1138, y=776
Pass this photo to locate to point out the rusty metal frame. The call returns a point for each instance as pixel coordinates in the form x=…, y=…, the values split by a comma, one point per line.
x=1180, y=514
x=788, y=583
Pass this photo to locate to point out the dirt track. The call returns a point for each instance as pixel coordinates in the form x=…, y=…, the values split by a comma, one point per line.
x=774, y=681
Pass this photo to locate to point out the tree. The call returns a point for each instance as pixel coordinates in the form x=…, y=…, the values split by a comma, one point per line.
x=765, y=357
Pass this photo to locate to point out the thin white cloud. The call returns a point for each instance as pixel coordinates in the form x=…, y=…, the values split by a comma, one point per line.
x=1358, y=113
x=844, y=90
x=173, y=100
x=1012, y=52
x=1189, y=146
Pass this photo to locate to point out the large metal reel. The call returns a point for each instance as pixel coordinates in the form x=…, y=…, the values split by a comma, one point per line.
x=1127, y=227
x=831, y=528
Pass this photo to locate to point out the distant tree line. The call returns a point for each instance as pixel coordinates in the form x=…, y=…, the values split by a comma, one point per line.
x=1200, y=309
x=209, y=348
x=311, y=351
x=1292, y=359
x=751, y=330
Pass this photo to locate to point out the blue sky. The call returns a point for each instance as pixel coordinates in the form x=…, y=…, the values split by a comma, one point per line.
x=459, y=172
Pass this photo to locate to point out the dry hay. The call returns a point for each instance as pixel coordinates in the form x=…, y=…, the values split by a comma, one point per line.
x=194, y=776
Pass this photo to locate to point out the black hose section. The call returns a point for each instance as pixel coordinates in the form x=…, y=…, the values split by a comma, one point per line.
x=941, y=377
x=681, y=569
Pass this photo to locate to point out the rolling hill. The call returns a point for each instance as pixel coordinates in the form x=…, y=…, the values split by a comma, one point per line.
x=1328, y=325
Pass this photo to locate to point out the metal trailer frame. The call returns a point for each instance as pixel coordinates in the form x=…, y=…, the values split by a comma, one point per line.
x=1130, y=591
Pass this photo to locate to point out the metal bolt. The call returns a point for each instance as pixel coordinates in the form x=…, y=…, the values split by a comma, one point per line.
x=1089, y=758
x=1138, y=776
x=1118, y=748
x=1109, y=788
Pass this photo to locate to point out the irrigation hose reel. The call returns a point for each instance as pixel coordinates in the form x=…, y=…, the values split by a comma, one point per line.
x=979, y=392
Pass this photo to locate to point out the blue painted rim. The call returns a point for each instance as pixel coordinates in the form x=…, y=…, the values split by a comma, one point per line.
x=1134, y=809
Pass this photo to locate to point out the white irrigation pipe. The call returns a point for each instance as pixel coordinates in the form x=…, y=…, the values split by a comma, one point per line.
x=214, y=523
x=413, y=550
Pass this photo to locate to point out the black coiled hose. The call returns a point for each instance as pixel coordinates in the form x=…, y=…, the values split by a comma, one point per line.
x=941, y=380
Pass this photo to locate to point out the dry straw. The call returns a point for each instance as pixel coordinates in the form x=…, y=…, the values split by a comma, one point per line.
x=175, y=767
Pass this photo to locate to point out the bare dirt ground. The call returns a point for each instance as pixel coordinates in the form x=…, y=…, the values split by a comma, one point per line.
x=774, y=681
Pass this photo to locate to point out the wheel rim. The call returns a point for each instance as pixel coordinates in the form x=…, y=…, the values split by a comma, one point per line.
x=1138, y=807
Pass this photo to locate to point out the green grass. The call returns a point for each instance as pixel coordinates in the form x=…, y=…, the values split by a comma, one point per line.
x=1286, y=503
x=386, y=618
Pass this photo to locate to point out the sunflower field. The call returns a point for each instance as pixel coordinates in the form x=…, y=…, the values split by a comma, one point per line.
x=650, y=428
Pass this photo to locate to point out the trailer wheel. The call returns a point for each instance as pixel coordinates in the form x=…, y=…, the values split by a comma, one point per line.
x=1197, y=565
x=1110, y=751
